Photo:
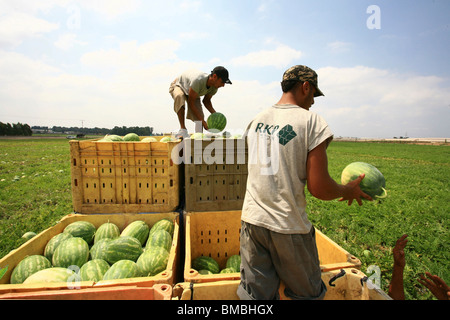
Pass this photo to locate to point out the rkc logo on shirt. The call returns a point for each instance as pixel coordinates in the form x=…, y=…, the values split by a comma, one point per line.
x=285, y=135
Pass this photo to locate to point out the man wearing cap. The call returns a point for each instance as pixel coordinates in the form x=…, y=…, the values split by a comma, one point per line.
x=287, y=151
x=190, y=86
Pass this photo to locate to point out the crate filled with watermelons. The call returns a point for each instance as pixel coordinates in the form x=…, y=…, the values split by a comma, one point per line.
x=129, y=174
x=215, y=175
x=212, y=245
x=89, y=251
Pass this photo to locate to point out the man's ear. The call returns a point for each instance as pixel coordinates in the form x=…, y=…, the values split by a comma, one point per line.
x=306, y=87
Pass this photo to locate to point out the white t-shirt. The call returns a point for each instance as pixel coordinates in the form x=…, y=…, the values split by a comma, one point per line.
x=197, y=81
x=279, y=140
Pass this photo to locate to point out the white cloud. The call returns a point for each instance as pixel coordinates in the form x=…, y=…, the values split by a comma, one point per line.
x=68, y=41
x=382, y=103
x=16, y=27
x=111, y=9
x=131, y=55
x=190, y=5
x=281, y=57
x=339, y=46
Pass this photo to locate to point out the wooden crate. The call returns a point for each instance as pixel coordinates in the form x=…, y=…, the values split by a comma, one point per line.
x=217, y=235
x=215, y=174
x=123, y=177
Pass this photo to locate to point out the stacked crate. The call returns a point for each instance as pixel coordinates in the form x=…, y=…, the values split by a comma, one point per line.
x=215, y=174
x=124, y=177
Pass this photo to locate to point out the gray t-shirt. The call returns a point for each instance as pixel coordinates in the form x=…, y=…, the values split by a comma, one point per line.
x=279, y=140
x=197, y=81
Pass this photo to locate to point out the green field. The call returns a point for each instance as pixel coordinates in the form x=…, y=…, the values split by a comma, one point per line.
x=35, y=193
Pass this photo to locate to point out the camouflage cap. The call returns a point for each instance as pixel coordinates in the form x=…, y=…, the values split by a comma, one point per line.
x=303, y=73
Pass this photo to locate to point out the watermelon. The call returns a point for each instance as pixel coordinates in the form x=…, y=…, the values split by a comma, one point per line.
x=216, y=122
x=94, y=270
x=204, y=272
x=122, y=269
x=198, y=135
x=164, y=224
x=29, y=266
x=107, y=231
x=234, y=262
x=227, y=270
x=50, y=275
x=205, y=263
x=153, y=261
x=71, y=252
x=373, y=184
x=159, y=238
x=82, y=229
x=131, y=137
x=112, y=138
x=98, y=249
x=54, y=243
x=166, y=139
x=149, y=139
x=28, y=235
x=137, y=229
x=122, y=248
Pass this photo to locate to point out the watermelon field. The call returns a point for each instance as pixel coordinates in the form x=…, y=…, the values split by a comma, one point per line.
x=35, y=193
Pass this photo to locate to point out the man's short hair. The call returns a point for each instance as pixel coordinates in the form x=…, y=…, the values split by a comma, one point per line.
x=288, y=85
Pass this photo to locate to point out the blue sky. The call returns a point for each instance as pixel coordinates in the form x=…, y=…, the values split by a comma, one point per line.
x=110, y=63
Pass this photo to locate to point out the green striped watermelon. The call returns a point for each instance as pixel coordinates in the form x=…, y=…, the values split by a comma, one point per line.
x=94, y=270
x=204, y=272
x=234, y=262
x=98, y=249
x=205, y=263
x=122, y=248
x=163, y=224
x=216, y=122
x=50, y=275
x=122, y=269
x=29, y=266
x=71, y=252
x=29, y=235
x=53, y=243
x=82, y=229
x=159, y=238
x=131, y=137
x=153, y=261
x=107, y=230
x=138, y=229
x=373, y=184
x=227, y=270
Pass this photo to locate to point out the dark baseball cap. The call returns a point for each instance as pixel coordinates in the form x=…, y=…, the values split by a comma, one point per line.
x=222, y=73
x=302, y=74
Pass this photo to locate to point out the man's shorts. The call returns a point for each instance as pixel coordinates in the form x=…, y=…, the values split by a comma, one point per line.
x=268, y=257
x=180, y=99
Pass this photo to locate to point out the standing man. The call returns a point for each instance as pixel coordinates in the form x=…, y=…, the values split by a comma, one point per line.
x=190, y=86
x=287, y=151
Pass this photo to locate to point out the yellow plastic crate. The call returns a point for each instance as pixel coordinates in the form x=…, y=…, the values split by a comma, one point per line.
x=351, y=286
x=123, y=177
x=215, y=174
x=36, y=246
x=217, y=235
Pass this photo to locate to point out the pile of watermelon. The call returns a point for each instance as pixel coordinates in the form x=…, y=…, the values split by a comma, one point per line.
x=133, y=137
x=206, y=265
x=82, y=252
